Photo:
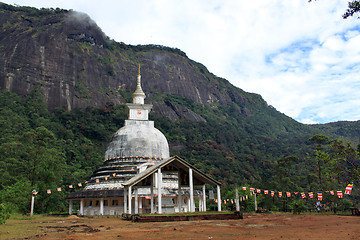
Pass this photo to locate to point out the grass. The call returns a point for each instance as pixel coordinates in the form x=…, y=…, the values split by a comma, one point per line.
x=19, y=226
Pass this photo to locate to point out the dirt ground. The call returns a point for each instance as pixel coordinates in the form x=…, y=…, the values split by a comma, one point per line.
x=253, y=226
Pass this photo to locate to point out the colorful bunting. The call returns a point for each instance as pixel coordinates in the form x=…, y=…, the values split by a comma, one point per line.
x=311, y=194
x=288, y=194
x=349, y=188
x=266, y=191
x=320, y=196
x=303, y=195
x=280, y=194
x=48, y=191
x=272, y=193
x=339, y=193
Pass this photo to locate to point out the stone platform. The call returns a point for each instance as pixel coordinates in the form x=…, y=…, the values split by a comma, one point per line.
x=180, y=217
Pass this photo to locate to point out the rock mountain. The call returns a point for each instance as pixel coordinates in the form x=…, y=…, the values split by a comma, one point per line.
x=75, y=65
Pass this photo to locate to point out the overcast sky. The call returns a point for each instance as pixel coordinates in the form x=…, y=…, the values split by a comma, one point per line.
x=301, y=57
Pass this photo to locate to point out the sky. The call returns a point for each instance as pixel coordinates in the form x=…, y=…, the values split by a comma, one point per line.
x=301, y=57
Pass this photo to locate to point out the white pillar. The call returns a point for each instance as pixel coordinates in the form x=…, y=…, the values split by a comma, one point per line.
x=237, y=199
x=179, y=192
x=70, y=207
x=136, y=201
x=192, y=203
x=101, y=206
x=125, y=200
x=152, y=195
x=129, y=200
x=204, y=198
x=219, y=198
x=32, y=203
x=82, y=207
x=255, y=202
x=159, y=183
x=140, y=205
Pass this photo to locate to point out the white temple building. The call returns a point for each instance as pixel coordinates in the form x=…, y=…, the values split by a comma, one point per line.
x=138, y=174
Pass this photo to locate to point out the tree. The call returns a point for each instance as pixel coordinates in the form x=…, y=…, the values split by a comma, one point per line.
x=353, y=7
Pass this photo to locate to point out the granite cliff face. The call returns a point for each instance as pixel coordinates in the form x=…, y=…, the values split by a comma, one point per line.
x=76, y=65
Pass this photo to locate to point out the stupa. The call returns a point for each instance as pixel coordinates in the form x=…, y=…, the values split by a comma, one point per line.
x=137, y=150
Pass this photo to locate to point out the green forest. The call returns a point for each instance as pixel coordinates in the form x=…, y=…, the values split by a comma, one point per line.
x=45, y=150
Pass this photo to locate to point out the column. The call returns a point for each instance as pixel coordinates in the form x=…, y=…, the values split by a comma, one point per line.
x=140, y=205
x=152, y=194
x=129, y=200
x=70, y=207
x=237, y=203
x=204, y=198
x=159, y=183
x=179, y=192
x=192, y=203
x=101, y=206
x=218, y=198
x=82, y=207
x=136, y=201
x=125, y=200
x=32, y=204
x=255, y=202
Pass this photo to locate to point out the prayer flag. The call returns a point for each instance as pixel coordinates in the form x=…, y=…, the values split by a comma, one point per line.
x=303, y=195
x=97, y=180
x=266, y=191
x=114, y=174
x=258, y=190
x=288, y=194
x=247, y=196
x=79, y=184
x=252, y=189
x=332, y=192
x=280, y=194
x=272, y=193
x=48, y=191
x=106, y=178
x=59, y=189
x=349, y=188
x=320, y=196
x=311, y=194
x=244, y=188
x=70, y=186
x=296, y=193
x=339, y=194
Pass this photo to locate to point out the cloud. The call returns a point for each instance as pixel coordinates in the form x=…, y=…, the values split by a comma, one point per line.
x=303, y=58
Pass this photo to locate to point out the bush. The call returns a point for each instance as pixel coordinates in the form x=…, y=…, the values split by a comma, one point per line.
x=4, y=213
x=298, y=207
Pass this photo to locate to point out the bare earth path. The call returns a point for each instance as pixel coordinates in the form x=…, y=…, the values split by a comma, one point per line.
x=253, y=226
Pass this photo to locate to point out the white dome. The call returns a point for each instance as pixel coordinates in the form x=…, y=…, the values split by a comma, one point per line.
x=138, y=138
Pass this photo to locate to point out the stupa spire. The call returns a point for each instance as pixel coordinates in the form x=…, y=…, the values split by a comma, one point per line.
x=138, y=95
